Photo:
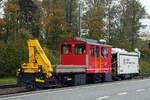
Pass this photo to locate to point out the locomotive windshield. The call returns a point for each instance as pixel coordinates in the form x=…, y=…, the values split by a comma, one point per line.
x=80, y=49
x=66, y=49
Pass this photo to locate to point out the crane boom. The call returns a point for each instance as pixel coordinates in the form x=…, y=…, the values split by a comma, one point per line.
x=37, y=59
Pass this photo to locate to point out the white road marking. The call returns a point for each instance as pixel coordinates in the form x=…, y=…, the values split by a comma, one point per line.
x=105, y=97
x=140, y=90
x=123, y=93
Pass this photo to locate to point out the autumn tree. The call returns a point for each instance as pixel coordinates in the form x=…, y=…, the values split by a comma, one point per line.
x=70, y=14
x=69, y=8
x=111, y=19
x=11, y=15
x=13, y=40
x=53, y=24
x=131, y=13
x=94, y=20
x=30, y=14
x=2, y=28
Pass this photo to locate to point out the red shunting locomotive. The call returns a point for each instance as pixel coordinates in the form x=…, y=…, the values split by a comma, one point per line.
x=94, y=55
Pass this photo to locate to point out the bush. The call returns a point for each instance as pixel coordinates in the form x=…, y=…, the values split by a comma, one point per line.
x=12, y=54
x=144, y=66
x=50, y=55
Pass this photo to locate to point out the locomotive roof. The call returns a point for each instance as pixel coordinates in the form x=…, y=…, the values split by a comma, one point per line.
x=90, y=41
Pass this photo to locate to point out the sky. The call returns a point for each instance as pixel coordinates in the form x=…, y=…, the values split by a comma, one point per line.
x=146, y=4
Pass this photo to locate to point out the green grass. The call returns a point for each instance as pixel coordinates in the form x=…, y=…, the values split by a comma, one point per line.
x=8, y=79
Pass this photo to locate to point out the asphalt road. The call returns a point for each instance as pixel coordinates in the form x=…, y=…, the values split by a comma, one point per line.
x=121, y=90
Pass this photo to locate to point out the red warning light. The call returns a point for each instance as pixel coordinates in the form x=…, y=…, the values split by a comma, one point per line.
x=73, y=38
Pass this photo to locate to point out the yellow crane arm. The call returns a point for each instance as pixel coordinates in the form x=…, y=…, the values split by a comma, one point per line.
x=37, y=59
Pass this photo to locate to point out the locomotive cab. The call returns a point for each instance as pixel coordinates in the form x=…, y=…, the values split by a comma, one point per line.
x=73, y=53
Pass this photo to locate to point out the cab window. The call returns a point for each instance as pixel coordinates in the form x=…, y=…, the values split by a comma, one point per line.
x=80, y=49
x=104, y=52
x=66, y=49
x=92, y=51
x=97, y=51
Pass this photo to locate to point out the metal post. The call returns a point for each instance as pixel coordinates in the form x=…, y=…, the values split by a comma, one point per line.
x=79, y=23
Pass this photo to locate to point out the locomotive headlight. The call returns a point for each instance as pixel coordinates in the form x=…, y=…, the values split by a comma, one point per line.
x=40, y=69
x=19, y=69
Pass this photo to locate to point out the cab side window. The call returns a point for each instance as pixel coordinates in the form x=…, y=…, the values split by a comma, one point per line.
x=104, y=52
x=92, y=51
x=66, y=49
x=97, y=51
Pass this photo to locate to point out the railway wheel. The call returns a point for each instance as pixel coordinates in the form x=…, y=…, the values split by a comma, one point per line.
x=30, y=86
x=79, y=79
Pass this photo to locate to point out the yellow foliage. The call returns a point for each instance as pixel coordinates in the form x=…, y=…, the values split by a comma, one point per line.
x=2, y=22
x=9, y=7
x=95, y=23
x=11, y=15
x=52, y=19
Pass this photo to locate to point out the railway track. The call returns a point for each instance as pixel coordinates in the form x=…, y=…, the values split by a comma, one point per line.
x=12, y=88
x=8, y=85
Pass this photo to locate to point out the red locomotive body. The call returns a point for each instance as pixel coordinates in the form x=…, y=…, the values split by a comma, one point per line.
x=79, y=51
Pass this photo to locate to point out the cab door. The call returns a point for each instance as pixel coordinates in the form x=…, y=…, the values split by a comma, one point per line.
x=92, y=59
x=104, y=59
x=97, y=59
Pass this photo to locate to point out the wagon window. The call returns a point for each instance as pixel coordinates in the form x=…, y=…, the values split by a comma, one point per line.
x=92, y=51
x=97, y=51
x=80, y=49
x=66, y=49
x=104, y=51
